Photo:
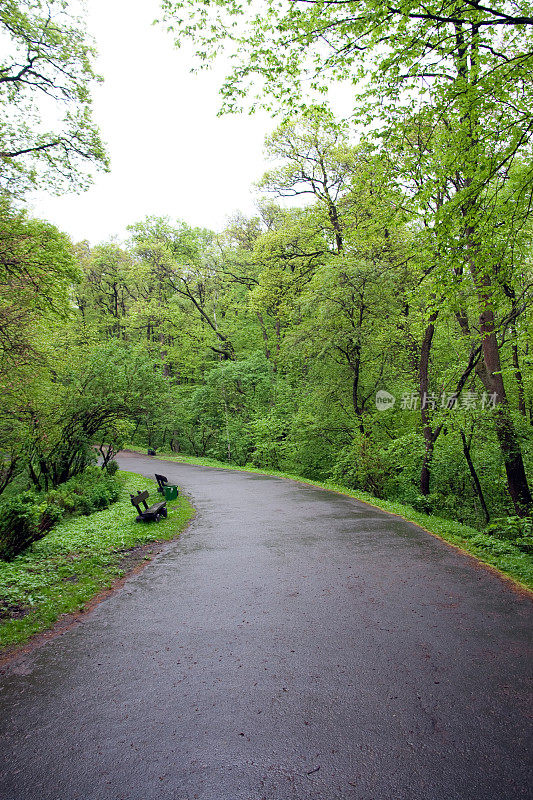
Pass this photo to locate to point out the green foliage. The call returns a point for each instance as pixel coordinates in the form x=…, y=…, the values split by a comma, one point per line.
x=341, y=312
x=46, y=67
x=518, y=530
x=441, y=206
x=362, y=465
x=19, y=524
x=269, y=439
x=282, y=50
x=92, y=393
x=27, y=517
x=112, y=467
x=407, y=269
x=37, y=269
x=90, y=491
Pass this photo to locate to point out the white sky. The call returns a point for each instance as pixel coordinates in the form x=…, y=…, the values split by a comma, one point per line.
x=170, y=154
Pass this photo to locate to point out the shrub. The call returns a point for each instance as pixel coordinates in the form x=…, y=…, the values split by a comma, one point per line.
x=19, y=524
x=112, y=468
x=518, y=530
x=50, y=516
x=361, y=465
x=91, y=490
x=27, y=517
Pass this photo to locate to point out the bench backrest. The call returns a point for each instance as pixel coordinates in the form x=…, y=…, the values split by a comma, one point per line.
x=140, y=497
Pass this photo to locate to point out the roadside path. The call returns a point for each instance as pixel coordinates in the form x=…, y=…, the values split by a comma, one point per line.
x=294, y=644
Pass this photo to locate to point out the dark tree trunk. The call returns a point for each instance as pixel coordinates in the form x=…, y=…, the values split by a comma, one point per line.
x=514, y=463
x=511, y=294
x=355, y=365
x=519, y=380
x=425, y=473
x=174, y=442
x=508, y=440
x=430, y=435
x=7, y=472
x=473, y=473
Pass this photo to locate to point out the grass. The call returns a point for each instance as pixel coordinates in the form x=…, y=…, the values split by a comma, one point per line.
x=503, y=556
x=76, y=560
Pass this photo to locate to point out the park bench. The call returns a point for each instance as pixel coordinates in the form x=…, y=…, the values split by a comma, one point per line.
x=161, y=483
x=148, y=513
x=164, y=487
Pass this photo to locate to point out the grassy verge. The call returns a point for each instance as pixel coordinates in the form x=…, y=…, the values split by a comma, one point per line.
x=78, y=559
x=502, y=555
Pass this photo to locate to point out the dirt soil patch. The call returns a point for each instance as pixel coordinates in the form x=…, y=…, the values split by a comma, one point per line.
x=13, y=610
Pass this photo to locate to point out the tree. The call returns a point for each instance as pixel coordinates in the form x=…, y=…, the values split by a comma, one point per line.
x=46, y=73
x=109, y=288
x=464, y=65
x=182, y=260
x=82, y=398
x=317, y=160
x=37, y=269
x=297, y=45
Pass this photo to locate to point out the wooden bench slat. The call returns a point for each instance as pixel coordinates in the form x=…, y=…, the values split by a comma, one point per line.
x=153, y=512
x=161, y=482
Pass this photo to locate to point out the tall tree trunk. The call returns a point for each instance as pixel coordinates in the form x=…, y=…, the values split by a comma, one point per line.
x=354, y=361
x=425, y=472
x=473, y=473
x=505, y=431
x=519, y=378
x=467, y=64
x=430, y=436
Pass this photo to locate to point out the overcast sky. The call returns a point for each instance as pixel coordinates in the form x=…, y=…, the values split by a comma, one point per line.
x=170, y=154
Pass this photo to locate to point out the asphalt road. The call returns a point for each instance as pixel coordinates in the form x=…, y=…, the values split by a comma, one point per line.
x=294, y=644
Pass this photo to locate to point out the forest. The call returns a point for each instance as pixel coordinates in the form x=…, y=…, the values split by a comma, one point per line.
x=371, y=325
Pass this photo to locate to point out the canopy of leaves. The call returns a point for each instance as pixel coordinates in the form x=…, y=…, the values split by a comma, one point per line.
x=47, y=136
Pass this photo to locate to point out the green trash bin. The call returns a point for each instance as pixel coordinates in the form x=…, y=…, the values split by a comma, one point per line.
x=171, y=491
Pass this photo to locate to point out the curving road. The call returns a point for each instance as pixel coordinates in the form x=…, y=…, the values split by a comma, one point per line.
x=294, y=644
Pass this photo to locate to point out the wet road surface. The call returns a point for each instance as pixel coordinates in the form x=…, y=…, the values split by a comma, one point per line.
x=294, y=644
